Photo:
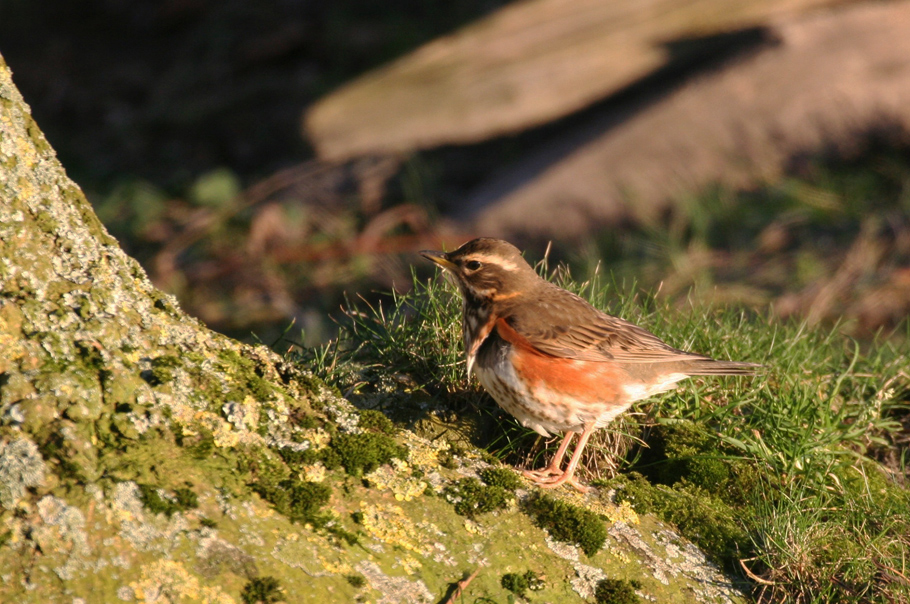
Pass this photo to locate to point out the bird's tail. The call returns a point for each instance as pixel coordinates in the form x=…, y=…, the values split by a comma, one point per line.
x=713, y=367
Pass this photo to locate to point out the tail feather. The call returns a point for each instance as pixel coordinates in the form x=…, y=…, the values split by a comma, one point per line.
x=713, y=367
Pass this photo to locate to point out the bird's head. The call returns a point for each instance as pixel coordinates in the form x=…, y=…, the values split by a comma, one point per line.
x=487, y=269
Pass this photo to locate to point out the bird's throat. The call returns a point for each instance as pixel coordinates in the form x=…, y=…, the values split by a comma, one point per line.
x=478, y=321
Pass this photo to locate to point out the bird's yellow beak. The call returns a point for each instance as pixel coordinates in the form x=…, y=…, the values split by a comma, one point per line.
x=439, y=258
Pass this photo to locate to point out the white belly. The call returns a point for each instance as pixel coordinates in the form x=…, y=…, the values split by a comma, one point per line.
x=512, y=395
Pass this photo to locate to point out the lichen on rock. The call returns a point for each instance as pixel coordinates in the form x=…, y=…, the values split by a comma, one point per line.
x=21, y=467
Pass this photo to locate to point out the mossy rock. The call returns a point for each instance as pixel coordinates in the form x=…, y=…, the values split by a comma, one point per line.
x=567, y=522
x=685, y=450
x=520, y=583
x=262, y=590
x=701, y=516
x=362, y=453
x=472, y=498
x=501, y=477
x=181, y=500
x=616, y=591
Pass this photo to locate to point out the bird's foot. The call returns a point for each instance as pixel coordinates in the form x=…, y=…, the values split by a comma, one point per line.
x=545, y=474
x=550, y=479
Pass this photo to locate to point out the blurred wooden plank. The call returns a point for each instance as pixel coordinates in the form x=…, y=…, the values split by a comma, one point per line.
x=832, y=78
x=524, y=65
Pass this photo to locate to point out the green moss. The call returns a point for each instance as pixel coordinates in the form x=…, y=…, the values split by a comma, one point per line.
x=245, y=373
x=186, y=498
x=262, y=590
x=700, y=516
x=362, y=453
x=170, y=361
x=376, y=421
x=183, y=499
x=260, y=389
x=343, y=534
x=47, y=223
x=264, y=468
x=298, y=500
x=54, y=448
x=518, y=584
x=686, y=451
x=472, y=498
x=567, y=523
x=200, y=445
x=448, y=460
x=304, y=420
x=296, y=458
x=685, y=478
x=90, y=355
x=501, y=477
x=162, y=370
x=867, y=477
x=37, y=137
x=356, y=581
x=161, y=301
x=616, y=591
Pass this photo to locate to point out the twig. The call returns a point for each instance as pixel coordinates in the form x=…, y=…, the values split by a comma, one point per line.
x=752, y=575
x=462, y=585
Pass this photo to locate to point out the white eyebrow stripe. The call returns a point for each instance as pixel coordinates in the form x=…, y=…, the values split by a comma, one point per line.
x=498, y=261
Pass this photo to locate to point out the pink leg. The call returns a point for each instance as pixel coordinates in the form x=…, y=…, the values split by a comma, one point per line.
x=555, y=463
x=567, y=476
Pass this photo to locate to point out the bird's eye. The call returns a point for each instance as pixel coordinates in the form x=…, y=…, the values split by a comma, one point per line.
x=472, y=265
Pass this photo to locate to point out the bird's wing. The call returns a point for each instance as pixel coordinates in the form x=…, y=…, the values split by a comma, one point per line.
x=568, y=327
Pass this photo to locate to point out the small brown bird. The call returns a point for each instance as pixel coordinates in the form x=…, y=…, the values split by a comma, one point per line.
x=551, y=359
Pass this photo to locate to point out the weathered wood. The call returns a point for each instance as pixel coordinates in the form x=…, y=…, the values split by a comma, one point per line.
x=830, y=78
x=524, y=65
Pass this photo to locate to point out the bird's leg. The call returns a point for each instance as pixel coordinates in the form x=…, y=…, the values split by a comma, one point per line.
x=554, y=467
x=567, y=476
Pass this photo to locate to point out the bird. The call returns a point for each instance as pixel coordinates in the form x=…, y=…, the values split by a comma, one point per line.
x=551, y=359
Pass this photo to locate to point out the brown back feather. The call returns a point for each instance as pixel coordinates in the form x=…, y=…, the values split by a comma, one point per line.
x=567, y=326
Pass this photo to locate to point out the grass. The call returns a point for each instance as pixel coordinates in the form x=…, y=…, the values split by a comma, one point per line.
x=795, y=479
x=827, y=241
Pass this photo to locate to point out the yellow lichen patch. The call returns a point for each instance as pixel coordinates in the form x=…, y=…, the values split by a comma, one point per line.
x=278, y=404
x=12, y=351
x=623, y=513
x=389, y=524
x=26, y=154
x=169, y=581
x=423, y=453
x=336, y=568
x=620, y=555
x=614, y=513
x=410, y=564
x=319, y=438
x=186, y=416
x=131, y=356
x=397, y=478
x=10, y=344
x=249, y=410
x=313, y=473
x=473, y=527
x=225, y=435
x=259, y=510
